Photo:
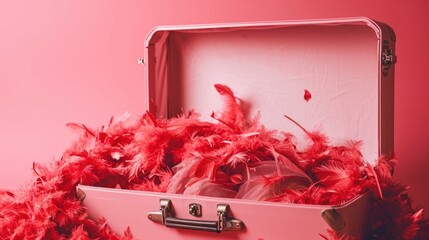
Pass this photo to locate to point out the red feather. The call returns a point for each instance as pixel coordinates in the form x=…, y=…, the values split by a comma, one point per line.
x=232, y=115
x=334, y=175
x=307, y=95
x=234, y=158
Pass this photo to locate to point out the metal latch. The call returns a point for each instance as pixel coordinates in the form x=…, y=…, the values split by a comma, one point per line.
x=166, y=217
x=195, y=209
x=140, y=61
x=387, y=58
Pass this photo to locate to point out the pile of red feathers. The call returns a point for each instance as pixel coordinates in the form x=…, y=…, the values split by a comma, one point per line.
x=231, y=158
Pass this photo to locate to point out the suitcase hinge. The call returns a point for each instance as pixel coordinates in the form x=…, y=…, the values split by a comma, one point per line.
x=334, y=219
x=387, y=58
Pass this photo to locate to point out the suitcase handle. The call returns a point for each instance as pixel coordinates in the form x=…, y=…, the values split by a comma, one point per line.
x=166, y=217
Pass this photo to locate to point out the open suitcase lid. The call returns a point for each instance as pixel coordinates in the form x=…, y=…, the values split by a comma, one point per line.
x=345, y=64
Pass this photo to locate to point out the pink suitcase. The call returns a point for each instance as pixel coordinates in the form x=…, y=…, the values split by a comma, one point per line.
x=346, y=64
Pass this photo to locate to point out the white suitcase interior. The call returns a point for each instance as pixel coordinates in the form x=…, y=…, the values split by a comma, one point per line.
x=269, y=65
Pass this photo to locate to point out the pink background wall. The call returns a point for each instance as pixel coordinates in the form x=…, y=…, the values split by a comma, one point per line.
x=63, y=61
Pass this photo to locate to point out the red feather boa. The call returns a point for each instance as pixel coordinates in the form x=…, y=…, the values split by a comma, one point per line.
x=233, y=158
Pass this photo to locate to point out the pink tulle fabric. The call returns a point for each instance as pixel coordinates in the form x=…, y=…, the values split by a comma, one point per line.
x=231, y=158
